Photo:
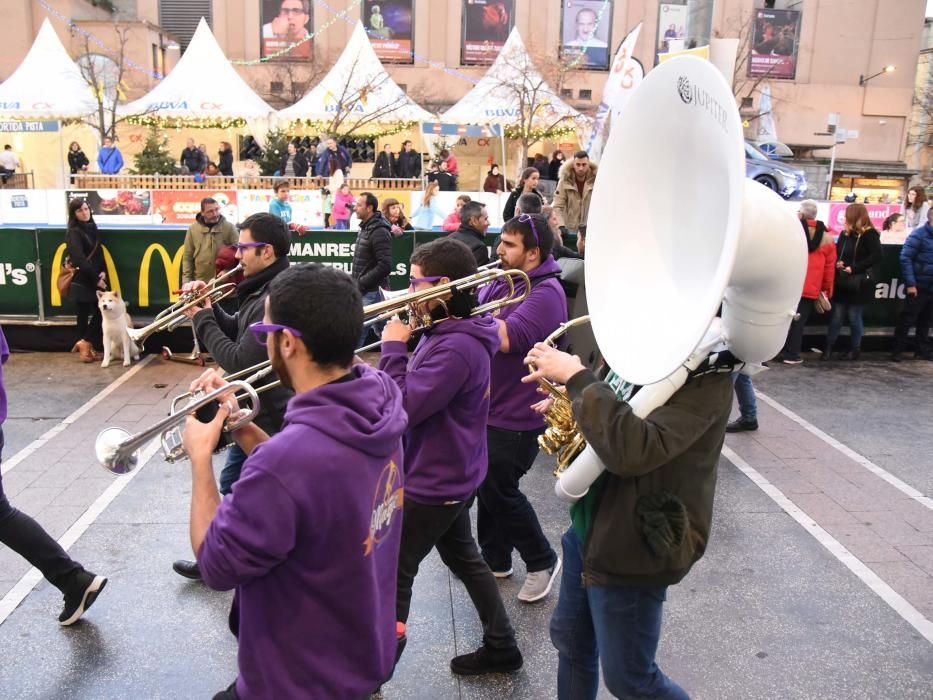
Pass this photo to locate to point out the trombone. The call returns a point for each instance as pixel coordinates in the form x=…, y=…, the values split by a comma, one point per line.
x=118, y=451
x=171, y=318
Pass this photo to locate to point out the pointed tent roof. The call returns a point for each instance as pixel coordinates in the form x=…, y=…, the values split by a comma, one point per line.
x=203, y=86
x=495, y=98
x=358, y=81
x=47, y=84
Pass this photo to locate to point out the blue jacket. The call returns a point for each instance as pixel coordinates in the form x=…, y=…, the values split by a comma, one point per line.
x=344, y=162
x=917, y=258
x=109, y=160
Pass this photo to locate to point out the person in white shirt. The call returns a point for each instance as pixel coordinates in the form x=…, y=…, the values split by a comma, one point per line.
x=8, y=162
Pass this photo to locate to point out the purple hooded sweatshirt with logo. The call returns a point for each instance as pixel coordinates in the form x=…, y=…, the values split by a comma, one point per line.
x=527, y=323
x=4, y=355
x=446, y=395
x=309, y=537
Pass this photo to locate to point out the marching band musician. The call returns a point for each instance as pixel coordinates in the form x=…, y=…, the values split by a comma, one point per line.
x=445, y=387
x=309, y=537
x=640, y=528
x=505, y=518
x=262, y=251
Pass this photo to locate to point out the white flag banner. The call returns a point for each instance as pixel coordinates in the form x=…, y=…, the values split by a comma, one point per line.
x=767, y=129
x=625, y=75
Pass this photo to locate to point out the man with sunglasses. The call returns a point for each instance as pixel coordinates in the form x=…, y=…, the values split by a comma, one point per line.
x=505, y=518
x=262, y=251
x=445, y=387
x=309, y=538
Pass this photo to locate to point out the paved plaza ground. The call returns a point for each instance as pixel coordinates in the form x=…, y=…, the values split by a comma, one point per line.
x=818, y=580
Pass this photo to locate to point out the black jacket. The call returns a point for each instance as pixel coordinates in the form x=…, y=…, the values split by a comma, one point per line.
x=446, y=182
x=409, y=164
x=300, y=164
x=372, y=258
x=230, y=341
x=225, y=164
x=509, y=211
x=474, y=240
x=194, y=160
x=77, y=160
x=862, y=254
x=385, y=166
x=553, y=169
x=80, y=240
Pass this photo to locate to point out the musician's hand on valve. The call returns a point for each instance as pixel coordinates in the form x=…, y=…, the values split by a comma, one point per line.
x=551, y=363
x=194, y=286
x=395, y=330
x=200, y=439
x=543, y=406
x=209, y=380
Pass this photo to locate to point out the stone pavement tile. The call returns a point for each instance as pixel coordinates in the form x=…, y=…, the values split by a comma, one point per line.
x=853, y=498
x=893, y=528
x=16, y=480
x=782, y=446
x=84, y=491
x=752, y=451
x=31, y=499
x=921, y=555
x=792, y=484
x=908, y=579
x=822, y=508
x=55, y=520
x=40, y=460
x=61, y=474
x=916, y=514
x=866, y=545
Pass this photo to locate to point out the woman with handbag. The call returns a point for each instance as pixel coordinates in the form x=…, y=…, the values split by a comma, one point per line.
x=86, y=256
x=817, y=285
x=858, y=251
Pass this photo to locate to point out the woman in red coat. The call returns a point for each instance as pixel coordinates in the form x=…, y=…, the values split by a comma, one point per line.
x=821, y=271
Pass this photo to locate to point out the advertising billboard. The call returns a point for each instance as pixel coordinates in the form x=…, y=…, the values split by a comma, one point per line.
x=116, y=206
x=774, y=44
x=286, y=23
x=183, y=206
x=486, y=26
x=390, y=26
x=585, y=32
x=672, y=26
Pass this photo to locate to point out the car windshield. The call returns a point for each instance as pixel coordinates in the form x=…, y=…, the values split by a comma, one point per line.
x=754, y=153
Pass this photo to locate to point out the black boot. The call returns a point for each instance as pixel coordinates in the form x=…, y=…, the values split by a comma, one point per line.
x=188, y=569
x=854, y=354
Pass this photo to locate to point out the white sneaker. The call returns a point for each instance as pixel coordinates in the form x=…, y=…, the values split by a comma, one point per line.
x=538, y=584
x=503, y=574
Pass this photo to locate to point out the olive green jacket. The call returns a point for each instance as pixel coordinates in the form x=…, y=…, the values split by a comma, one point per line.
x=202, y=244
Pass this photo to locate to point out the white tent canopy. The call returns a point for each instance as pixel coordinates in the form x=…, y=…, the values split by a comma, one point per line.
x=202, y=86
x=47, y=84
x=497, y=97
x=359, y=84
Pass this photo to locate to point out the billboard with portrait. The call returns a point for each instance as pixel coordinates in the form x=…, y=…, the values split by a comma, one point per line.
x=672, y=26
x=286, y=23
x=585, y=32
x=486, y=26
x=390, y=26
x=774, y=44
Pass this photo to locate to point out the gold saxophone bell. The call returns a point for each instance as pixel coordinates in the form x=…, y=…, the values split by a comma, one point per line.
x=562, y=437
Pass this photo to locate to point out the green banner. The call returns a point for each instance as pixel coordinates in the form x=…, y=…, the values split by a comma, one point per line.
x=18, y=295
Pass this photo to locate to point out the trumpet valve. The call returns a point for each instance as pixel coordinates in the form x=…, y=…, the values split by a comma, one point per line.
x=172, y=447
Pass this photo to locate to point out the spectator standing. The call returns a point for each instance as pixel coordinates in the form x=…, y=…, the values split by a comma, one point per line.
x=452, y=222
x=916, y=208
x=294, y=164
x=225, y=159
x=858, y=251
x=280, y=206
x=203, y=241
x=84, y=250
x=446, y=181
x=109, y=158
x=249, y=149
x=341, y=209
x=894, y=225
x=917, y=271
x=474, y=222
x=541, y=165
x=574, y=190
x=193, y=159
x=748, y=405
x=821, y=271
x=372, y=257
x=8, y=162
x=494, y=183
x=393, y=213
x=327, y=205
x=557, y=160
x=409, y=162
x=385, y=166
x=424, y=216
x=527, y=184
x=447, y=156
x=77, y=160
x=333, y=158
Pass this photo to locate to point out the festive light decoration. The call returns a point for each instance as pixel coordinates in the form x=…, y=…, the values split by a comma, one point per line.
x=537, y=134
x=187, y=122
x=374, y=130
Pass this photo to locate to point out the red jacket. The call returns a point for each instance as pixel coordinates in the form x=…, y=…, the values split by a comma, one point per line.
x=821, y=267
x=452, y=222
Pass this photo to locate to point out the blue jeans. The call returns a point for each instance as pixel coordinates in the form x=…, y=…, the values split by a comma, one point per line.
x=371, y=298
x=341, y=224
x=841, y=311
x=618, y=626
x=745, y=393
x=231, y=471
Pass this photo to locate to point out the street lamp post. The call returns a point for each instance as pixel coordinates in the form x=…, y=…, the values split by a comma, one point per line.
x=887, y=69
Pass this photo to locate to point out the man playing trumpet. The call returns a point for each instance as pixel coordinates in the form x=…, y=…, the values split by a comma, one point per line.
x=309, y=537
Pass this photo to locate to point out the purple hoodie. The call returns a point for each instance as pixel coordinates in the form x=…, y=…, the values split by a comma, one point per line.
x=310, y=539
x=4, y=356
x=528, y=323
x=446, y=395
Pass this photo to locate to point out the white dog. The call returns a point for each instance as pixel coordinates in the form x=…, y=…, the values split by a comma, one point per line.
x=116, y=321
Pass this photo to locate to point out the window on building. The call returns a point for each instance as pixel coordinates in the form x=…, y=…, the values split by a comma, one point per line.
x=404, y=87
x=276, y=87
x=586, y=94
x=748, y=102
x=566, y=93
x=155, y=59
x=180, y=17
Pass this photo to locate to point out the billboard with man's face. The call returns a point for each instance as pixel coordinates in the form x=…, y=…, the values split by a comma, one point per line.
x=585, y=27
x=389, y=24
x=286, y=23
x=486, y=26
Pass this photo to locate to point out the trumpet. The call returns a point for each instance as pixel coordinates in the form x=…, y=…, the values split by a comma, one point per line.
x=562, y=437
x=118, y=451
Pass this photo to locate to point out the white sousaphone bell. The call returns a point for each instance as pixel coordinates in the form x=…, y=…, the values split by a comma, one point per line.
x=674, y=231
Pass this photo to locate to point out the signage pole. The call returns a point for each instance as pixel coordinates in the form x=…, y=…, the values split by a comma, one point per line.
x=504, y=170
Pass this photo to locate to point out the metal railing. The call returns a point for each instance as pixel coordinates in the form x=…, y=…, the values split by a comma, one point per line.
x=17, y=181
x=221, y=182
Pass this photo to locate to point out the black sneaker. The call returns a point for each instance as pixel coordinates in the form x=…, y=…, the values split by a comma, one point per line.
x=80, y=596
x=740, y=425
x=188, y=569
x=487, y=660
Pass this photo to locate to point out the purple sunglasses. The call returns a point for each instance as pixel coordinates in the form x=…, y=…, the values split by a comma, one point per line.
x=260, y=331
x=529, y=219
